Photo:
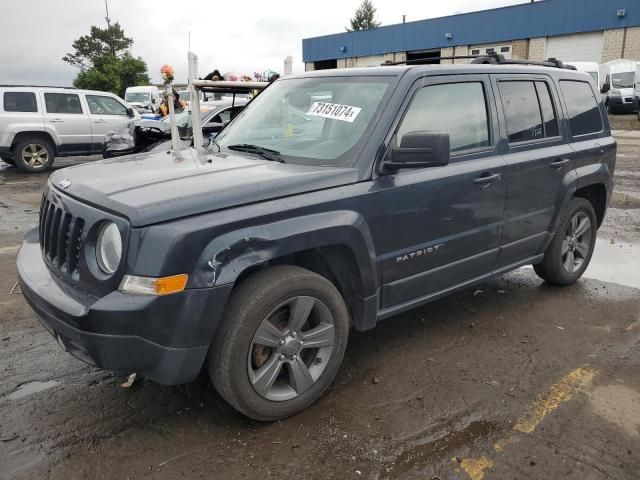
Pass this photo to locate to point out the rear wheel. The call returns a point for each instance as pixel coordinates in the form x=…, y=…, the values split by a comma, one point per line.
x=33, y=155
x=282, y=343
x=569, y=253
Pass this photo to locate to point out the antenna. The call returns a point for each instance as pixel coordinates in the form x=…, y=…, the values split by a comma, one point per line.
x=106, y=7
x=189, y=41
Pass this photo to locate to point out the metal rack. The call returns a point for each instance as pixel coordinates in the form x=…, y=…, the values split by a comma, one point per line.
x=490, y=59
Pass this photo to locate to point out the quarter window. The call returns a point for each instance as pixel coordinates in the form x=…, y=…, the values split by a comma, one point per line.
x=458, y=109
x=62, y=103
x=528, y=111
x=584, y=114
x=101, y=105
x=20, y=102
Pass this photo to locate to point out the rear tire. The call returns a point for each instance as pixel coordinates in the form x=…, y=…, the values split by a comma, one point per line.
x=34, y=154
x=284, y=324
x=568, y=255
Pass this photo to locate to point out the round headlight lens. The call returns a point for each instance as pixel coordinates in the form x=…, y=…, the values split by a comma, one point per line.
x=109, y=248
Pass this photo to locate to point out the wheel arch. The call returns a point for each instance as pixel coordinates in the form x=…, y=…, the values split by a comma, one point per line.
x=596, y=194
x=34, y=134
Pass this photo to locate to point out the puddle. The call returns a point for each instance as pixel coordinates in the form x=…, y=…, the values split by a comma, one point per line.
x=30, y=388
x=615, y=263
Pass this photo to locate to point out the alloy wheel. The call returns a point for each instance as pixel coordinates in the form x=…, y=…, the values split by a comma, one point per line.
x=291, y=348
x=35, y=155
x=576, y=244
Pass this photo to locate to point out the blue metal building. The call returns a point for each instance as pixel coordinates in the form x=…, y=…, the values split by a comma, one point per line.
x=600, y=30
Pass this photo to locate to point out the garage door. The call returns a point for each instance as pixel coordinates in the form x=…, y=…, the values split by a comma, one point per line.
x=580, y=47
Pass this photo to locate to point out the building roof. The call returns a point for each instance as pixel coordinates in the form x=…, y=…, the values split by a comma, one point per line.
x=528, y=20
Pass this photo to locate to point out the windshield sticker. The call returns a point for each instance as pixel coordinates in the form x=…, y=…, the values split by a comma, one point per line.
x=335, y=111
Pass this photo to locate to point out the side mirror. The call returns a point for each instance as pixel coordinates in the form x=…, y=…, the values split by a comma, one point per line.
x=420, y=149
x=605, y=88
x=130, y=112
x=212, y=127
x=154, y=100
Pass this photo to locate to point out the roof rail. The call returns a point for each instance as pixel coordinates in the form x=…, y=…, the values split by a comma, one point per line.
x=36, y=86
x=228, y=86
x=489, y=59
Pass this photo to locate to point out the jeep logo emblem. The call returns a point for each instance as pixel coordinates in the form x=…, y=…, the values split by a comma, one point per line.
x=63, y=184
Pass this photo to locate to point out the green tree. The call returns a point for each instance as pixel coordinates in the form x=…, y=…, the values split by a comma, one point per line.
x=364, y=18
x=105, y=61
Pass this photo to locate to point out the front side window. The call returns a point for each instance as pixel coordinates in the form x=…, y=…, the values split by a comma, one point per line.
x=101, y=105
x=458, y=109
x=62, y=103
x=20, y=102
x=584, y=114
x=312, y=121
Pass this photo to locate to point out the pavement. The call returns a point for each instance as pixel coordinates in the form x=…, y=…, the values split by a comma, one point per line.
x=511, y=379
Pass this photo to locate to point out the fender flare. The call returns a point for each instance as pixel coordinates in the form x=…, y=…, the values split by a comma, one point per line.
x=226, y=257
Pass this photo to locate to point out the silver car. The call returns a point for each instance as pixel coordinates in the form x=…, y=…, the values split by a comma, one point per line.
x=39, y=123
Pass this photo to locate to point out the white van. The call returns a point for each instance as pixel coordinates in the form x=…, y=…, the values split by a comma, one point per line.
x=617, y=88
x=144, y=97
x=592, y=68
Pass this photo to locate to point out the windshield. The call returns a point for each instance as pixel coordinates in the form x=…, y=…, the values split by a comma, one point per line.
x=137, y=97
x=622, y=79
x=311, y=121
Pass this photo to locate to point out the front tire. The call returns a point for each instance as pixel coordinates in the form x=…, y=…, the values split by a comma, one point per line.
x=33, y=155
x=282, y=341
x=569, y=253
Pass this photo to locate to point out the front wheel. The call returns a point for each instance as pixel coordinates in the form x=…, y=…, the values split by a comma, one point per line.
x=569, y=253
x=282, y=341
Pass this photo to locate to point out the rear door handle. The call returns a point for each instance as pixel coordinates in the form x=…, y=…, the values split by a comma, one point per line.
x=487, y=178
x=100, y=121
x=56, y=120
x=559, y=162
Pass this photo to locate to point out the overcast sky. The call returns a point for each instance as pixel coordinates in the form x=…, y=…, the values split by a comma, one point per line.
x=35, y=34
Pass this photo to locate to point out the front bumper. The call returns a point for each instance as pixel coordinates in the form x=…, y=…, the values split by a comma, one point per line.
x=163, y=338
x=627, y=103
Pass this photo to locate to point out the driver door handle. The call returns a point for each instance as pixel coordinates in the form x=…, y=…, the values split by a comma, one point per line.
x=559, y=162
x=487, y=178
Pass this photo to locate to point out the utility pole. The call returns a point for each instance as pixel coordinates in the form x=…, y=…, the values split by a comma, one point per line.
x=106, y=7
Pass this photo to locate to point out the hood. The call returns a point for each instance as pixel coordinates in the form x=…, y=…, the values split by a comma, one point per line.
x=152, y=188
x=157, y=124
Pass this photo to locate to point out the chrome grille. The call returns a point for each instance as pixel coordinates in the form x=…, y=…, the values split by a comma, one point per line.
x=60, y=237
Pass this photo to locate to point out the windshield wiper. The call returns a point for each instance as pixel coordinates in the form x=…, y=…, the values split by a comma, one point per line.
x=272, y=155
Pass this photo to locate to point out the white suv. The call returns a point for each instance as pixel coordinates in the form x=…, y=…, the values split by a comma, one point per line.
x=38, y=123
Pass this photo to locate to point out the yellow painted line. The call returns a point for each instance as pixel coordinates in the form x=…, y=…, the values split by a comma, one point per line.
x=12, y=249
x=475, y=467
x=559, y=393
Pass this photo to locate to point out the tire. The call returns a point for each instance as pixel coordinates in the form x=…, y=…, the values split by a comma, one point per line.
x=34, y=154
x=569, y=253
x=260, y=334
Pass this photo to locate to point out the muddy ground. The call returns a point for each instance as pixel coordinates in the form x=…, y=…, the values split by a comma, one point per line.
x=513, y=379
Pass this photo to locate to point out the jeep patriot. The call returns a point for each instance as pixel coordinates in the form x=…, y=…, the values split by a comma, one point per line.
x=334, y=200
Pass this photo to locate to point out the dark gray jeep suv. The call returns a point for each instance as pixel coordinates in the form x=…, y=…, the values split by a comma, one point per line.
x=334, y=200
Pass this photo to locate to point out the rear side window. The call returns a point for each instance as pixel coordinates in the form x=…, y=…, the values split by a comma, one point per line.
x=62, y=103
x=458, y=109
x=528, y=111
x=584, y=114
x=20, y=102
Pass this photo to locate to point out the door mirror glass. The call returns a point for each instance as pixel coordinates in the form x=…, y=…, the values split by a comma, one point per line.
x=420, y=149
x=130, y=112
x=605, y=88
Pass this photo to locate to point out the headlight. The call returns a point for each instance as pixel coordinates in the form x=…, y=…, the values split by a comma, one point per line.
x=109, y=248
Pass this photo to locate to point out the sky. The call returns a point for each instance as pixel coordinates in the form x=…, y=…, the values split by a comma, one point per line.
x=255, y=36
